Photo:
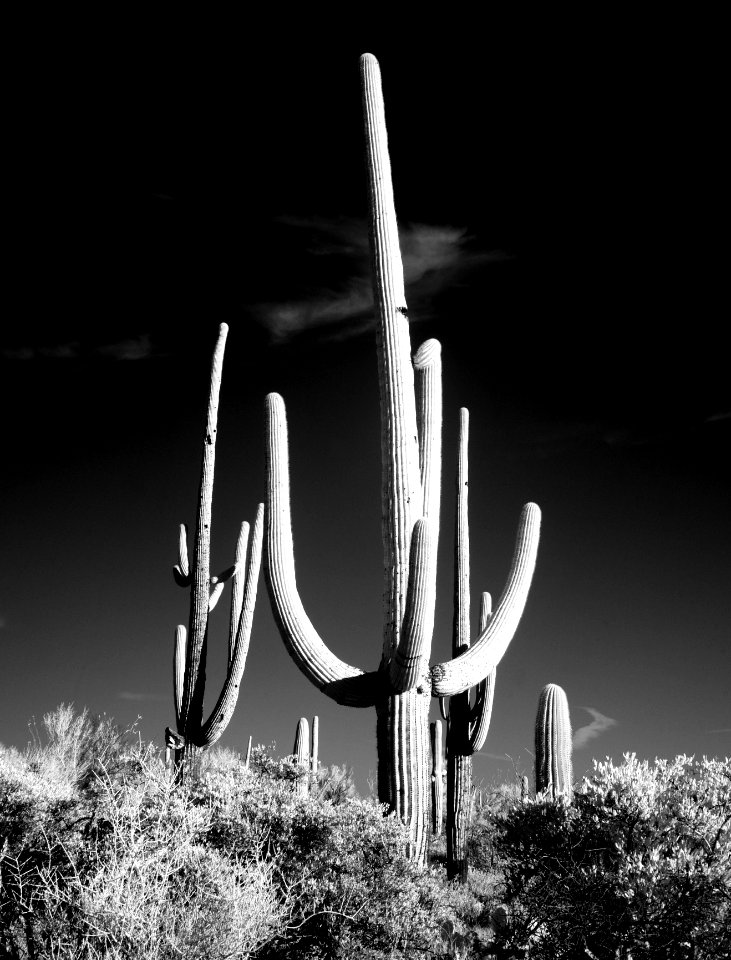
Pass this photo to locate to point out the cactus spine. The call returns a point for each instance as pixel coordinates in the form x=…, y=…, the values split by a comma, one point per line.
x=437, y=778
x=553, y=743
x=189, y=661
x=401, y=687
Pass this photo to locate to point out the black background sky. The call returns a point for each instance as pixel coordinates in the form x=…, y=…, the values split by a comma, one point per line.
x=560, y=195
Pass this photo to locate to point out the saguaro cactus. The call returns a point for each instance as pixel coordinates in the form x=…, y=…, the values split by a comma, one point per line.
x=437, y=778
x=315, y=752
x=302, y=756
x=553, y=743
x=189, y=662
x=400, y=688
x=467, y=723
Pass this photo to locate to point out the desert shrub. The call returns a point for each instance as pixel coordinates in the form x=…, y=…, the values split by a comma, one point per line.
x=118, y=866
x=638, y=864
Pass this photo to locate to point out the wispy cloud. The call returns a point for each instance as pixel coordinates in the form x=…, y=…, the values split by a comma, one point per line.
x=721, y=730
x=141, y=697
x=592, y=730
x=435, y=258
x=137, y=347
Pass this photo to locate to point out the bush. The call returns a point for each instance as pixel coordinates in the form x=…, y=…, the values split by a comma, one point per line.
x=638, y=864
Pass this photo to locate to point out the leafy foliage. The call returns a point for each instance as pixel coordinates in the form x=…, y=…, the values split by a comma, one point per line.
x=639, y=864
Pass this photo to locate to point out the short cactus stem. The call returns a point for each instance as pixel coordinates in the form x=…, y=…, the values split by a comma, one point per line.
x=554, y=775
x=524, y=789
x=302, y=757
x=247, y=762
x=314, y=753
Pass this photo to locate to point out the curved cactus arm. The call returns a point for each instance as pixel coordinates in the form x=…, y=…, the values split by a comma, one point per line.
x=179, y=674
x=337, y=679
x=410, y=665
x=444, y=708
x=469, y=668
x=194, y=685
x=481, y=712
x=223, y=711
x=181, y=570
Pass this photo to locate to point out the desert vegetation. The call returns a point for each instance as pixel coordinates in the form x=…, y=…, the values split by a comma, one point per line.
x=106, y=853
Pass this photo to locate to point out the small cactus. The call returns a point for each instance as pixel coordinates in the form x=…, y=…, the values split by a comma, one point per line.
x=302, y=757
x=553, y=743
x=524, y=788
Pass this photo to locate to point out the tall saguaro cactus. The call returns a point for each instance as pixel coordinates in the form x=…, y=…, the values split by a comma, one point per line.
x=189, y=665
x=410, y=393
x=467, y=723
x=553, y=743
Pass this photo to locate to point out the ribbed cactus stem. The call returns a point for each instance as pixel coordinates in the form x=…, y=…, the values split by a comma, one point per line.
x=481, y=712
x=302, y=756
x=553, y=743
x=437, y=777
x=315, y=753
x=190, y=651
x=195, y=673
x=524, y=789
x=459, y=754
x=181, y=635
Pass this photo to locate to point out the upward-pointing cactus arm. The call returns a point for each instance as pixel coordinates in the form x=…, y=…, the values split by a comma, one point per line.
x=237, y=587
x=345, y=684
x=226, y=704
x=469, y=668
x=482, y=711
x=428, y=389
x=179, y=674
x=410, y=665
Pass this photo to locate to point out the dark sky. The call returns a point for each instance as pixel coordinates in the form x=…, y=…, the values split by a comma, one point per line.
x=560, y=213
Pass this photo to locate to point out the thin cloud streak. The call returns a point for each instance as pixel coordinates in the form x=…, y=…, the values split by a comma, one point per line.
x=435, y=258
x=137, y=347
x=592, y=730
x=141, y=697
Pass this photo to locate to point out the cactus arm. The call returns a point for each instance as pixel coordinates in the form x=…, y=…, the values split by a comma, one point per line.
x=195, y=674
x=181, y=571
x=401, y=483
x=237, y=589
x=437, y=777
x=226, y=704
x=461, y=626
x=337, y=679
x=428, y=388
x=476, y=663
x=410, y=665
x=482, y=711
x=179, y=674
